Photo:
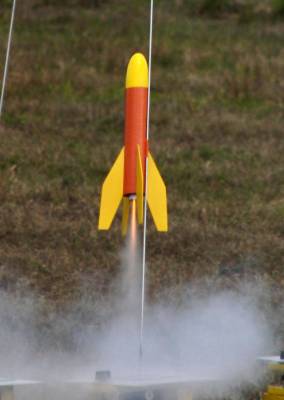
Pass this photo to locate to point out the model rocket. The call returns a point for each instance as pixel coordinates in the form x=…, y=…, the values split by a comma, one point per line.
x=126, y=179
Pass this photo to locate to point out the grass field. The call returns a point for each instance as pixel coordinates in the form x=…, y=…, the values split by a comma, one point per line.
x=216, y=133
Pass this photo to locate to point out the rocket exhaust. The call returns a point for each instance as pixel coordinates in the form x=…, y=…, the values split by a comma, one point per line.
x=133, y=227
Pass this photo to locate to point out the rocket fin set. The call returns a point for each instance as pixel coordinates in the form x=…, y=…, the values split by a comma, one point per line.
x=112, y=193
x=126, y=179
x=157, y=196
x=140, y=187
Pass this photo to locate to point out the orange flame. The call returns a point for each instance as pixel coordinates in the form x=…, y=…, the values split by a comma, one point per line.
x=133, y=227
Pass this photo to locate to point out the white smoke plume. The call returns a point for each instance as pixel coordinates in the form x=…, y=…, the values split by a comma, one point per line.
x=215, y=336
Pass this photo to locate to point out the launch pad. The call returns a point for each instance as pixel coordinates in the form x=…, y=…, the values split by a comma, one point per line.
x=140, y=388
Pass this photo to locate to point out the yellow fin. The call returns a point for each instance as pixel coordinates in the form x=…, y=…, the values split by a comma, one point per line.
x=139, y=187
x=125, y=214
x=157, y=196
x=112, y=193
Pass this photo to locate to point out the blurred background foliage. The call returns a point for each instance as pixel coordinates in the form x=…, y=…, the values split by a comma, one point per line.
x=216, y=133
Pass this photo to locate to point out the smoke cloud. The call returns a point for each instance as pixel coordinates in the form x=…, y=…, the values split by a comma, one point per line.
x=212, y=336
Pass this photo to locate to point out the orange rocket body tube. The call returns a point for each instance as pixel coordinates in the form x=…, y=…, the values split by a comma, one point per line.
x=136, y=101
x=134, y=135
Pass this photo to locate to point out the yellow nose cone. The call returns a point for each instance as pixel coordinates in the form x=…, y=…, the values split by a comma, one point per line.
x=137, y=72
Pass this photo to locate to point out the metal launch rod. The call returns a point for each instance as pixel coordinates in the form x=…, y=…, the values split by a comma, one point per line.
x=5, y=74
x=146, y=186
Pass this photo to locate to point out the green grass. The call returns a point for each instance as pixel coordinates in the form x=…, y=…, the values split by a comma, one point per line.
x=216, y=134
x=278, y=7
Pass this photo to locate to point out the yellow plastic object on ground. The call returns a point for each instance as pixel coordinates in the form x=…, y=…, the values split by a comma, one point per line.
x=274, y=393
x=157, y=196
x=112, y=193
